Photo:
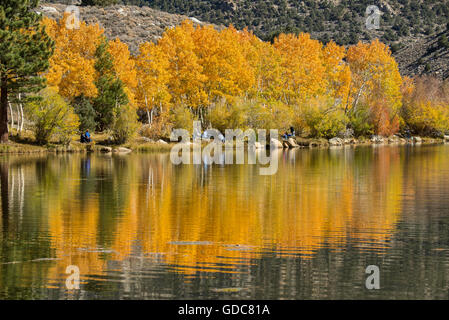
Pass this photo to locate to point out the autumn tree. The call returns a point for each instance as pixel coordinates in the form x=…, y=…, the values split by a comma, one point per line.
x=303, y=70
x=186, y=85
x=337, y=73
x=153, y=75
x=24, y=52
x=376, y=84
x=266, y=64
x=72, y=70
x=223, y=61
x=124, y=68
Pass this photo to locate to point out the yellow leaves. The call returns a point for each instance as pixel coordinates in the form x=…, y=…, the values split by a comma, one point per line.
x=153, y=75
x=186, y=73
x=337, y=72
x=266, y=63
x=224, y=63
x=124, y=67
x=204, y=65
x=302, y=63
x=373, y=66
x=426, y=115
x=72, y=67
x=376, y=83
x=425, y=105
x=199, y=67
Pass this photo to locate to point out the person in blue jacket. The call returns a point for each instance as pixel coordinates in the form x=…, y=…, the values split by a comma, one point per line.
x=88, y=138
x=85, y=137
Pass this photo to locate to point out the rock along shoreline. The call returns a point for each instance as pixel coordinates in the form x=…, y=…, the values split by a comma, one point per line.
x=163, y=146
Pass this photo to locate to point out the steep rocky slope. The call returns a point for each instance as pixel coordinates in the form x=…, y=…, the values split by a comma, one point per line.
x=424, y=56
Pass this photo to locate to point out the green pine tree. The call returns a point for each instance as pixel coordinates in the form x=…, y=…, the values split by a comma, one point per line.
x=85, y=111
x=24, y=52
x=111, y=94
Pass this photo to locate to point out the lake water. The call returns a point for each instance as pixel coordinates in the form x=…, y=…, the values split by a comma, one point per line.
x=139, y=227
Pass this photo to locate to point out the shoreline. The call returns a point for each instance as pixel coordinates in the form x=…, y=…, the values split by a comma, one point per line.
x=163, y=146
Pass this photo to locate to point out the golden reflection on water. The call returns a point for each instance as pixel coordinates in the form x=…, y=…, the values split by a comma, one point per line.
x=211, y=218
x=98, y=209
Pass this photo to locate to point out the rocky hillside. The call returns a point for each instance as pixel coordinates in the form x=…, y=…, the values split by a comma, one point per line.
x=425, y=56
x=416, y=53
x=340, y=20
x=133, y=25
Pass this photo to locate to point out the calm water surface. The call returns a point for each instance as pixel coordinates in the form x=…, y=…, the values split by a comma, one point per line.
x=139, y=227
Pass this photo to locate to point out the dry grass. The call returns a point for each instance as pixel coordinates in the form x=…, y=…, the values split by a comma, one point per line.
x=150, y=147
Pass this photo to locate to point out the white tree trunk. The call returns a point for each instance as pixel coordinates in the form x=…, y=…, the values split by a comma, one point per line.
x=12, y=115
x=22, y=120
x=21, y=113
x=18, y=117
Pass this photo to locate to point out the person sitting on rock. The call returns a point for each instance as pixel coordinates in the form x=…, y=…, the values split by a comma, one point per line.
x=85, y=137
x=293, y=133
x=88, y=138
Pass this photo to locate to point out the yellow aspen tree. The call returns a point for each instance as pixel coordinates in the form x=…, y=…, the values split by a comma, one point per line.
x=303, y=69
x=266, y=63
x=153, y=76
x=337, y=73
x=224, y=64
x=124, y=67
x=187, y=80
x=72, y=67
x=376, y=82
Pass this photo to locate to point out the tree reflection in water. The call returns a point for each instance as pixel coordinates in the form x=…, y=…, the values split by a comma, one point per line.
x=139, y=227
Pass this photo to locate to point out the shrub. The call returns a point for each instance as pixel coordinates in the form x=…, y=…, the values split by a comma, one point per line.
x=425, y=108
x=102, y=3
x=160, y=128
x=182, y=118
x=323, y=119
x=52, y=116
x=360, y=122
x=268, y=115
x=426, y=119
x=443, y=42
x=228, y=116
x=323, y=125
x=124, y=125
x=65, y=133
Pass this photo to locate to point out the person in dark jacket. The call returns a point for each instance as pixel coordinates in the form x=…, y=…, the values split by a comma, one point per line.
x=293, y=133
